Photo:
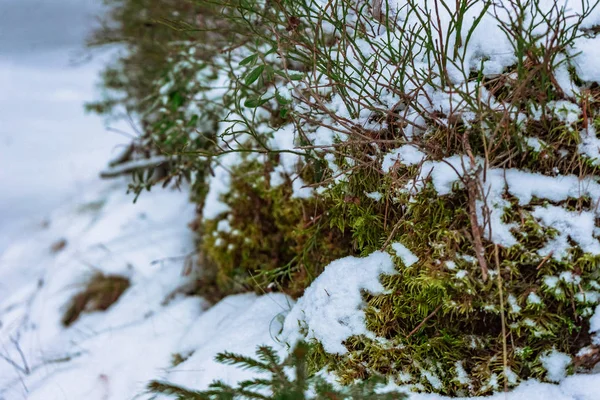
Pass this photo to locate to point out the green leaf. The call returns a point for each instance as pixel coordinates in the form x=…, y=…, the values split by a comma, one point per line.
x=253, y=102
x=272, y=51
x=176, y=100
x=254, y=75
x=283, y=113
x=249, y=60
x=296, y=76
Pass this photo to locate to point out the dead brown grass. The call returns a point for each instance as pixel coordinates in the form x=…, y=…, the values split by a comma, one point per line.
x=100, y=292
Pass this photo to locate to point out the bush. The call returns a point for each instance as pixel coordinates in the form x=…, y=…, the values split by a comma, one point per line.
x=335, y=128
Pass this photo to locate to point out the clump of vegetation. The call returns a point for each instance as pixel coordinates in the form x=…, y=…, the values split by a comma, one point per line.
x=326, y=129
x=279, y=379
x=100, y=292
x=171, y=53
x=269, y=240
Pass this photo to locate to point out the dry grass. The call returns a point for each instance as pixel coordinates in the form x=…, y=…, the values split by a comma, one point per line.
x=100, y=292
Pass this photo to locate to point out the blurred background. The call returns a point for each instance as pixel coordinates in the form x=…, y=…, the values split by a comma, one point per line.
x=49, y=147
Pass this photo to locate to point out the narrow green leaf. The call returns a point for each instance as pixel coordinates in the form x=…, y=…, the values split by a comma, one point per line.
x=253, y=102
x=272, y=51
x=249, y=60
x=254, y=75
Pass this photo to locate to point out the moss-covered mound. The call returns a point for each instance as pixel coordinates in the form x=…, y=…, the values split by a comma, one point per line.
x=442, y=328
x=268, y=240
x=461, y=134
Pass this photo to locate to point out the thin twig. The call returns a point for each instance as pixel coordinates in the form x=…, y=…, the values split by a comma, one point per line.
x=503, y=322
x=418, y=327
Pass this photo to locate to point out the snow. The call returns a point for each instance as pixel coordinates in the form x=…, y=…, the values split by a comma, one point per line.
x=41, y=122
x=533, y=298
x=407, y=257
x=565, y=111
x=433, y=379
x=450, y=265
x=461, y=375
x=511, y=377
x=587, y=297
x=284, y=141
x=112, y=355
x=586, y=63
x=556, y=364
x=535, y=143
x=218, y=185
x=590, y=144
x=300, y=190
x=223, y=226
x=578, y=387
x=461, y=274
x=377, y=196
x=443, y=174
x=331, y=309
x=550, y=281
x=123, y=347
x=579, y=226
x=237, y=324
x=513, y=304
x=407, y=155
x=116, y=365
x=595, y=321
x=568, y=277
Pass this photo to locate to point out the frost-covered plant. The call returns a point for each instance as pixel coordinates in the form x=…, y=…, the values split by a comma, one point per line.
x=284, y=380
x=464, y=131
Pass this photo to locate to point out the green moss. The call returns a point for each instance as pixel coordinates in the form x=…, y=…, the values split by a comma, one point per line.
x=431, y=317
x=438, y=319
x=272, y=241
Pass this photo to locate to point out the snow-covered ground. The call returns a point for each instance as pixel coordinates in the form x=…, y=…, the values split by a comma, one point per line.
x=113, y=354
x=49, y=147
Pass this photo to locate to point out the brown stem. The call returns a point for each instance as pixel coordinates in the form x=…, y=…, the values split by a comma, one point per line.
x=475, y=229
x=423, y=322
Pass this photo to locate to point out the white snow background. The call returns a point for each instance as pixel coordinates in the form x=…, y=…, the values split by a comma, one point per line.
x=50, y=154
x=49, y=147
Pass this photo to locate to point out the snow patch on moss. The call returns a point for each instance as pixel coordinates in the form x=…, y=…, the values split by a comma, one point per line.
x=332, y=308
x=407, y=257
x=556, y=364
